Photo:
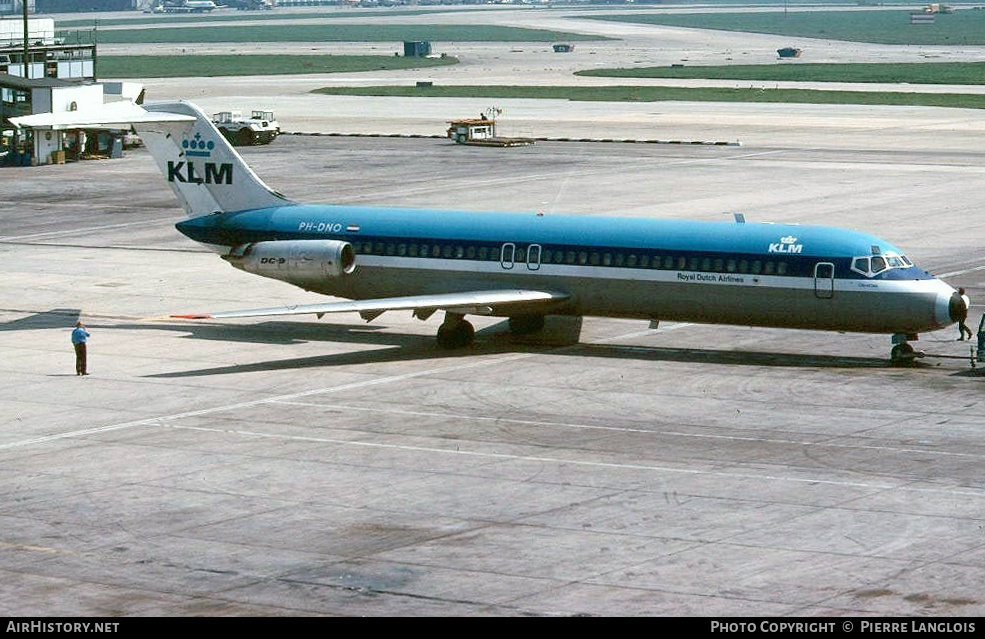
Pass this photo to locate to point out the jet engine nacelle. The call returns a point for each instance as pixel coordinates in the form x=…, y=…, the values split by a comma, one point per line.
x=295, y=261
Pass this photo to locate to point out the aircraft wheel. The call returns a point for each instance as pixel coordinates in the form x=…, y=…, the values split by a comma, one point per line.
x=458, y=334
x=526, y=324
x=901, y=355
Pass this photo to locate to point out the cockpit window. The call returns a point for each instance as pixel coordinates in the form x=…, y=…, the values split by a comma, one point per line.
x=870, y=266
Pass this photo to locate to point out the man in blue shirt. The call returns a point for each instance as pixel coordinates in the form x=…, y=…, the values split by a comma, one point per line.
x=79, y=337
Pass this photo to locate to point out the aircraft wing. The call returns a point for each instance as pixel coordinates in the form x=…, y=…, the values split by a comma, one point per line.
x=508, y=301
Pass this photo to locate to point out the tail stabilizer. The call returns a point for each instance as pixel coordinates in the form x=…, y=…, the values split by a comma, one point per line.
x=202, y=168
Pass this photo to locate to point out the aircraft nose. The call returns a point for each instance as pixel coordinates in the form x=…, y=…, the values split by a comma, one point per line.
x=956, y=308
x=948, y=306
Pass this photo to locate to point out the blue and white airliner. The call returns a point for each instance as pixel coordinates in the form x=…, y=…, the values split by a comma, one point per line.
x=527, y=266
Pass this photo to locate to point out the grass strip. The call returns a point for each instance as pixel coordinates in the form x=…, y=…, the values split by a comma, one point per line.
x=395, y=33
x=196, y=66
x=658, y=94
x=909, y=72
x=963, y=27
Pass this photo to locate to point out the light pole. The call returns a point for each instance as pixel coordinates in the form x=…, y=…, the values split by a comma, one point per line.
x=26, y=50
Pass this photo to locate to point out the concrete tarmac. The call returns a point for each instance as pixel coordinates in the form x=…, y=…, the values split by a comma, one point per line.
x=304, y=467
x=331, y=467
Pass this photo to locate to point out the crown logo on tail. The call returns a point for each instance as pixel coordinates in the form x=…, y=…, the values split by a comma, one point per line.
x=197, y=147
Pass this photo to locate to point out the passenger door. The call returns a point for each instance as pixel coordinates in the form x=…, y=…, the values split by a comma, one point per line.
x=824, y=280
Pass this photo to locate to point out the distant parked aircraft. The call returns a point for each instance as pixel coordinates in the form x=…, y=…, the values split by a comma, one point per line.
x=187, y=6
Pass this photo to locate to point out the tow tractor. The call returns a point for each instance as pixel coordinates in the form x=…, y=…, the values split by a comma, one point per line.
x=259, y=128
x=981, y=341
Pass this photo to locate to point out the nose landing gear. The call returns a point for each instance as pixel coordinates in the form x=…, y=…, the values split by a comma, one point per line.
x=902, y=354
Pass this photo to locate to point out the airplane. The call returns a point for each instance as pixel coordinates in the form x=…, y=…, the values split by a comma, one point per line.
x=198, y=6
x=187, y=6
x=527, y=266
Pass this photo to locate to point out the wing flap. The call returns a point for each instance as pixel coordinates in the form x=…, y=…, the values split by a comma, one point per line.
x=468, y=302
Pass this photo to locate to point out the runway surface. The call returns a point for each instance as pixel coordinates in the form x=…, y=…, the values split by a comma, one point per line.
x=333, y=467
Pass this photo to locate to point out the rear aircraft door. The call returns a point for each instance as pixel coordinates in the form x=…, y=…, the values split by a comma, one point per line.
x=824, y=280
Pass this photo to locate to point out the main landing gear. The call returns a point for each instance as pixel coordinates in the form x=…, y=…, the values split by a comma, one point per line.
x=457, y=332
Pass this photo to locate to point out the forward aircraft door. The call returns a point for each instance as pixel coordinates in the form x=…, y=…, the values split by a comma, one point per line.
x=824, y=280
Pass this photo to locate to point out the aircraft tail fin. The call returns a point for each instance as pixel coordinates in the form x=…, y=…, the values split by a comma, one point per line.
x=202, y=168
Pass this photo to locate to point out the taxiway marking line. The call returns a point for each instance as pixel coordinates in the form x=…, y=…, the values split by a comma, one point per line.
x=961, y=272
x=168, y=421
x=481, y=418
x=150, y=421
x=584, y=463
x=84, y=229
x=627, y=429
x=267, y=400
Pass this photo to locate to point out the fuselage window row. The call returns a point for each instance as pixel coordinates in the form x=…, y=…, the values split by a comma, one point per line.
x=514, y=254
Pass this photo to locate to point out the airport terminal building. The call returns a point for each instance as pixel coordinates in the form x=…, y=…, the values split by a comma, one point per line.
x=67, y=55
x=55, y=72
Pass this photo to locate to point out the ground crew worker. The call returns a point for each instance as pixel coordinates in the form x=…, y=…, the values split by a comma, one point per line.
x=79, y=337
x=963, y=315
